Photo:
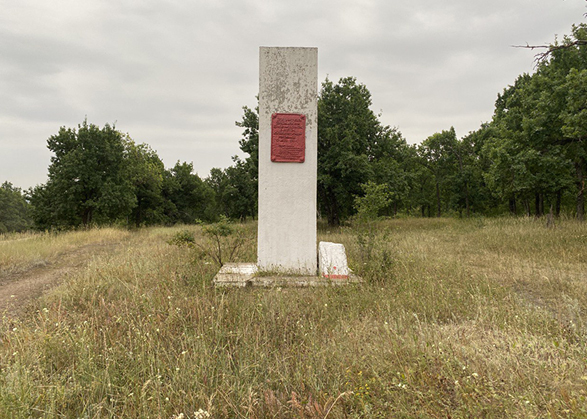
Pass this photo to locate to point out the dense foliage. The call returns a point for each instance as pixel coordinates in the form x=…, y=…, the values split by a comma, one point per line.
x=538, y=149
x=101, y=176
x=13, y=209
x=531, y=159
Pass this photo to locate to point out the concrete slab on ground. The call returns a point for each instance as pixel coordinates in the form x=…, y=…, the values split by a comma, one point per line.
x=241, y=275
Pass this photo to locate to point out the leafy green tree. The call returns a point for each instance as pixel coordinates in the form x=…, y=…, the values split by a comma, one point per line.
x=438, y=154
x=235, y=190
x=567, y=68
x=218, y=182
x=461, y=183
x=574, y=118
x=376, y=197
x=470, y=188
x=392, y=164
x=574, y=115
x=245, y=174
x=350, y=140
x=353, y=147
x=243, y=190
x=539, y=146
x=250, y=141
x=557, y=104
x=88, y=179
x=102, y=176
x=187, y=197
x=507, y=176
x=523, y=174
x=145, y=171
x=407, y=180
x=14, y=209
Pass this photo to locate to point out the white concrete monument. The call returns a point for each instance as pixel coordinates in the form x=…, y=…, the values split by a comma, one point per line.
x=288, y=167
x=288, y=128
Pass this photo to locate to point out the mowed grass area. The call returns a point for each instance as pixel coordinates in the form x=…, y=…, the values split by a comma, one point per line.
x=456, y=318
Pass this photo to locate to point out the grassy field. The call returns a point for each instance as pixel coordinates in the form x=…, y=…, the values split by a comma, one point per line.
x=20, y=252
x=456, y=319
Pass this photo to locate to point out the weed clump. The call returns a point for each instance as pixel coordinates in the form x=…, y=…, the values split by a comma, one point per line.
x=371, y=250
x=183, y=238
x=221, y=242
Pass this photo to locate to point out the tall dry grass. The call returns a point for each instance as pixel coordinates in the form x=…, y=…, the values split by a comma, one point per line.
x=479, y=318
x=22, y=251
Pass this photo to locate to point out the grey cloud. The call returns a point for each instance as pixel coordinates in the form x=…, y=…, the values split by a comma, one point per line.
x=175, y=74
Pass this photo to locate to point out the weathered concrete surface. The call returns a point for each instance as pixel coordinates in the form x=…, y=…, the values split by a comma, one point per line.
x=332, y=261
x=235, y=275
x=240, y=275
x=288, y=83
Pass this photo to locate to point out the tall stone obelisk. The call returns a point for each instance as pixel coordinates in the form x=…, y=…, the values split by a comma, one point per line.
x=288, y=128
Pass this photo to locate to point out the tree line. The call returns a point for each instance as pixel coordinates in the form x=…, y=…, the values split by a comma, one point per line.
x=529, y=159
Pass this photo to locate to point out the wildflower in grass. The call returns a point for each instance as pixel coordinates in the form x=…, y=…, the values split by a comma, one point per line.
x=201, y=414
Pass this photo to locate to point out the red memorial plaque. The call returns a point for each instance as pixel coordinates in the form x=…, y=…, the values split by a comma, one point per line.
x=288, y=137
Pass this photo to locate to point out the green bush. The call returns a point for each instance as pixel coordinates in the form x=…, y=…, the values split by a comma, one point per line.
x=183, y=238
x=222, y=241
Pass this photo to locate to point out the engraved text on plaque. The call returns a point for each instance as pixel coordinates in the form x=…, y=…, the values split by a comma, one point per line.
x=288, y=137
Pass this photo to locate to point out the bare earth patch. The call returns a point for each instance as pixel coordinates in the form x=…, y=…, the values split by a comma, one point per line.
x=19, y=289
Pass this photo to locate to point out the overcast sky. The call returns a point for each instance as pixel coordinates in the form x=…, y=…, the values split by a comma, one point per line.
x=175, y=73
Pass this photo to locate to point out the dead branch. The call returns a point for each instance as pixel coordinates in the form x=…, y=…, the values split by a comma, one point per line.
x=551, y=48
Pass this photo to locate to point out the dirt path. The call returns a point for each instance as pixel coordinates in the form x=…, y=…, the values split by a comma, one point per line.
x=18, y=290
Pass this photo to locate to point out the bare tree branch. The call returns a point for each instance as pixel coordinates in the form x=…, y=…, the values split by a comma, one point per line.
x=551, y=48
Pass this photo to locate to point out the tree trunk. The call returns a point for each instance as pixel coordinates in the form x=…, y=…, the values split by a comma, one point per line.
x=538, y=205
x=138, y=215
x=527, y=207
x=550, y=218
x=513, y=207
x=87, y=217
x=438, y=199
x=468, y=212
x=557, y=207
x=332, y=211
x=466, y=185
x=581, y=190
